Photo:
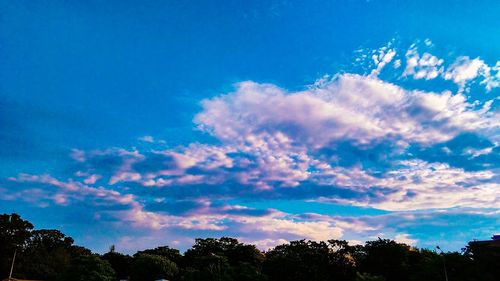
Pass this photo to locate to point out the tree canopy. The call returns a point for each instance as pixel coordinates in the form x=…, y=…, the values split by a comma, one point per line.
x=47, y=254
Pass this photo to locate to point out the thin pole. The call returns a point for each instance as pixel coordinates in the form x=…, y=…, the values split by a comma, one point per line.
x=12, y=266
x=445, y=271
x=444, y=263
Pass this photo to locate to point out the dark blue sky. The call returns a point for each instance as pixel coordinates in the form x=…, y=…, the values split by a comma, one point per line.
x=96, y=77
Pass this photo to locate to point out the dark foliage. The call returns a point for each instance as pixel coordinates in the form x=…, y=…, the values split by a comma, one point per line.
x=166, y=252
x=486, y=259
x=152, y=267
x=223, y=259
x=14, y=234
x=87, y=268
x=50, y=255
x=120, y=263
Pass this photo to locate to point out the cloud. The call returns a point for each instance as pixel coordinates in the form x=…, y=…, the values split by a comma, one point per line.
x=405, y=239
x=382, y=57
x=355, y=140
x=462, y=71
x=351, y=107
x=420, y=63
x=352, y=139
x=266, y=228
x=465, y=69
x=277, y=227
x=263, y=244
x=418, y=185
x=147, y=139
x=425, y=67
x=204, y=216
x=66, y=191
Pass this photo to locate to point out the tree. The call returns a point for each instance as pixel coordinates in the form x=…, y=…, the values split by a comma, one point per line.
x=47, y=254
x=342, y=259
x=386, y=258
x=120, y=263
x=147, y=267
x=50, y=255
x=88, y=268
x=298, y=260
x=165, y=251
x=425, y=265
x=223, y=259
x=210, y=268
x=486, y=258
x=14, y=234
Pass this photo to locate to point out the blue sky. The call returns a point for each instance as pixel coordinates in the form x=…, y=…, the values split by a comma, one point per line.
x=151, y=123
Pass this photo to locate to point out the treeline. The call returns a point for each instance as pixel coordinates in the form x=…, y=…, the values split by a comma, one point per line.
x=51, y=255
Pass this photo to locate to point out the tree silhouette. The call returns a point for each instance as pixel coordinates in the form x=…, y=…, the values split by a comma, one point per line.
x=152, y=267
x=14, y=234
x=51, y=255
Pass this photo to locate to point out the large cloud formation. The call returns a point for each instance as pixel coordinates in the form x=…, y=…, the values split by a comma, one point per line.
x=272, y=140
x=352, y=139
x=353, y=108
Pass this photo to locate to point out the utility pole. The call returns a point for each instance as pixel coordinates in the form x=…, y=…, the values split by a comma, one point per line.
x=13, y=258
x=12, y=266
x=444, y=263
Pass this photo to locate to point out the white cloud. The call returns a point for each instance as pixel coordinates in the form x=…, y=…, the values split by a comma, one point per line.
x=273, y=139
x=283, y=227
x=397, y=63
x=350, y=107
x=425, y=67
x=465, y=69
x=493, y=80
x=419, y=185
x=263, y=244
x=405, y=239
x=73, y=191
x=381, y=58
x=462, y=71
